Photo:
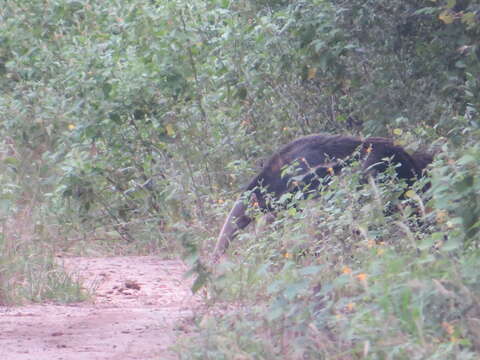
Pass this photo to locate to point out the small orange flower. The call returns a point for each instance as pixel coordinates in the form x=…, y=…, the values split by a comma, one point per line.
x=330, y=171
x=369, y=149
x=346, y=270
x=351, y=306
x=287, y=255
x=448, y=328
x=362, y=277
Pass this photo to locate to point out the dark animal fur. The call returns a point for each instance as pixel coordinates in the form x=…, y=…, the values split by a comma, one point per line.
x=314, y=157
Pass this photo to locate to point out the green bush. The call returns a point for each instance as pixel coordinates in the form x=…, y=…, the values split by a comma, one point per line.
x=129, y=127
x=339, y=276
x=456, y=195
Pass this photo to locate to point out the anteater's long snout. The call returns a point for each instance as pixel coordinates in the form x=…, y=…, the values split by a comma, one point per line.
x=236, y=220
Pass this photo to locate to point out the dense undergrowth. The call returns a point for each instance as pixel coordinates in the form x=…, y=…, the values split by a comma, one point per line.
x=128, y=127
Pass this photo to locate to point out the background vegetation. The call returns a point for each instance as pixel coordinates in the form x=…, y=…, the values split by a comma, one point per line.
x=130, y=126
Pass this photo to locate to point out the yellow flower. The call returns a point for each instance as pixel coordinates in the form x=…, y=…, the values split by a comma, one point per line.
x=287, y=255
x=330, y=171
x=369, y=149
x=71, y=127
x=351, y=306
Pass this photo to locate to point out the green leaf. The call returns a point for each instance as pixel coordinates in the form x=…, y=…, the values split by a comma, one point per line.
x=451, y=245
x=200, y=281
x=294, y=290
x=11, y=161
x=5, y=205
x=427, y=243
x=311, y=270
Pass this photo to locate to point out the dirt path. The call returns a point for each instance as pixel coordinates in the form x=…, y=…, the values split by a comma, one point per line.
x=137, y=312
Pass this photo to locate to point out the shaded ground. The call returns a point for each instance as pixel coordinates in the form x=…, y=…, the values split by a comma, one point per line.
x=139, y=308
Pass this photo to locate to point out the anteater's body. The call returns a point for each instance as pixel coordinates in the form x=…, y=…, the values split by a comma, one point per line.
x=313, y=158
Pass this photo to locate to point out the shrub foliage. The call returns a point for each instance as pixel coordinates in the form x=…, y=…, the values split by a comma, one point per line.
x=129, y=126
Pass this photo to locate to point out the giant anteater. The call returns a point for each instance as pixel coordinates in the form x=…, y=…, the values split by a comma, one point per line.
x=314, y=157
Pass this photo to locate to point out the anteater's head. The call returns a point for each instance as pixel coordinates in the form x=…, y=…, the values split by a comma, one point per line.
x=379, y=153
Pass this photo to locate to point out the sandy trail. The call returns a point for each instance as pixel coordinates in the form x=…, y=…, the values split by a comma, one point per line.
x=140, y=305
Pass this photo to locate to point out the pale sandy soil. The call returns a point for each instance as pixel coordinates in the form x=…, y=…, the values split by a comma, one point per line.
x=140, y=306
